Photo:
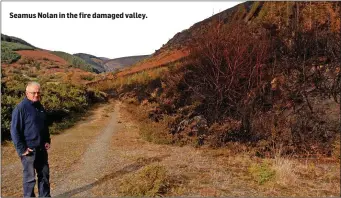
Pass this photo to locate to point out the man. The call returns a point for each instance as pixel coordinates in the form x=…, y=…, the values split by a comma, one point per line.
x=31, y=138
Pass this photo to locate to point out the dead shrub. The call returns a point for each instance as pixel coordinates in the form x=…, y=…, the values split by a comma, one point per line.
x=300, y=132
x=156, y=132
x=272, y=131
x=312, y=134
x=226, y=63
x=221, y=133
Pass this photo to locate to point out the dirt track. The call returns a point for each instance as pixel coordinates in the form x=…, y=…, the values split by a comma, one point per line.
x=91, y=158
x=92, y=165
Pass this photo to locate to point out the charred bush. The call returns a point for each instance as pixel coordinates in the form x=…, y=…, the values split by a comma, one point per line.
x=226, y=63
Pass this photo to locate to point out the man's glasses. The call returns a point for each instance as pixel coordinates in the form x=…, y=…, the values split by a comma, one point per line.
x=35, y=93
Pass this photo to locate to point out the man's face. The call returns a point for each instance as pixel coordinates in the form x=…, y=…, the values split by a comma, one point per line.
x=33, y=93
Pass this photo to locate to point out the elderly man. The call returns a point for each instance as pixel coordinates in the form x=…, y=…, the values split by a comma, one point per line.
x=30, y=135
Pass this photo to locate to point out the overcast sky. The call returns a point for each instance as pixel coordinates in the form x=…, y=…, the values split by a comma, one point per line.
x=105, y=37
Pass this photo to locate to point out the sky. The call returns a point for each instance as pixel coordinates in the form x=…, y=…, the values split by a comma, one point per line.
x=104, y=37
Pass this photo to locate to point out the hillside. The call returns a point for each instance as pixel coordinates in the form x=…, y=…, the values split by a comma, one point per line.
x=75, y=61
x=102, y=64
x=104, y=58
x=15, y=40
x=96, y=63
x=13, y=43
x=276, y=15
x=63, y=79
x=262, y=74
x=120, y=63
x=177, y=47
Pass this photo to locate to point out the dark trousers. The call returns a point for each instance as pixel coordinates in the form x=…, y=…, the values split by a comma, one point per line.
x=36, y=161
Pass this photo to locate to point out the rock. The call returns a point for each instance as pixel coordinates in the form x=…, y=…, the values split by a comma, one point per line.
x=199, y=125
x=182, y=125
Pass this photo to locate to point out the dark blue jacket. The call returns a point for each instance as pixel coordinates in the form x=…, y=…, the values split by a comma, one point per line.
x=29, y=127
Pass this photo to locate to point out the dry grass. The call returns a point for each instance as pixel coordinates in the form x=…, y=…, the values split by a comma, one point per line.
x=234, y=170
x=8, y=154
x=156, y=61
x=151, y=181
x=156, y=132
x=142, y=78
x=195, y=173
x=285, y=174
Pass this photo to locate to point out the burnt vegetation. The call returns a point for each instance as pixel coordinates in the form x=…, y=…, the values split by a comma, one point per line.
x=267, y=75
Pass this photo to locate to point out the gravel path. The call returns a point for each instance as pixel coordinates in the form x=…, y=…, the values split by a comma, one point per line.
x=92, y=165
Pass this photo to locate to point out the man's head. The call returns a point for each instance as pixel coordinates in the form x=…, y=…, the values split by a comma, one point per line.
x=33, y=91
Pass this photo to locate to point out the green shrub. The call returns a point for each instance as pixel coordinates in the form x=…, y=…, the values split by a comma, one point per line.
x=9, y=56
x=64, y=102
x=7, y=51
x=65, y=123
x=262, y=172
x=7, y=105
x=64, y=96
x=87, y=77
x=15, y=46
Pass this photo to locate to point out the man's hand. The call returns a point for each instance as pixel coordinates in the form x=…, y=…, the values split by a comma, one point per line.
x=47, y=146
x=28, y=151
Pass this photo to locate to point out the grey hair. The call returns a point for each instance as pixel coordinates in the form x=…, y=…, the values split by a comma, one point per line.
x=33, y=83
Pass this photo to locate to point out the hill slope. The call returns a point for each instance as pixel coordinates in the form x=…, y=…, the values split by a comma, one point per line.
x=276, y=15
x=120, y=63
x=102, y=64
x=261, y=73
x=61, y=75
x=15, y=40
x=95, y=62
